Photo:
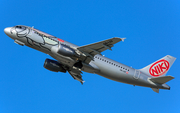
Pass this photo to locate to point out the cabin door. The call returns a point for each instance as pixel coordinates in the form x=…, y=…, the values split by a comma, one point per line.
x=136, y=74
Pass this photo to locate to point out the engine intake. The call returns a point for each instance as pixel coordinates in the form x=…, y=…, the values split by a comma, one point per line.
x=53, y=65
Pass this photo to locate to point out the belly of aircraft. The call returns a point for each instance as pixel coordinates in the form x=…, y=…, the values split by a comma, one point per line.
x=116, y=75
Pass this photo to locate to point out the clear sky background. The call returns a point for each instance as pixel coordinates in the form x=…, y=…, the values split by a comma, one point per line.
x=152, y=29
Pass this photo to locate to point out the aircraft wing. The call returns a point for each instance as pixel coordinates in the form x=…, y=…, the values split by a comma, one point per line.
x=76, y=74
x=96, y=48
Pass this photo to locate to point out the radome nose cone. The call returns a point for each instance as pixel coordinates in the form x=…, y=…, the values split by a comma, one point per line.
x=7, y=30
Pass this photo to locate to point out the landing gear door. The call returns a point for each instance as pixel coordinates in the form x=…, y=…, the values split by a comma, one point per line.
x=136, y=74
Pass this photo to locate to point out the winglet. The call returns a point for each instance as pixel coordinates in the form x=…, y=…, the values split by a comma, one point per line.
x=82, y=82
x=123, y=39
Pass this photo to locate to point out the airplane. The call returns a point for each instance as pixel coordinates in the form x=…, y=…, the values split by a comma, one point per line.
x=75, y=59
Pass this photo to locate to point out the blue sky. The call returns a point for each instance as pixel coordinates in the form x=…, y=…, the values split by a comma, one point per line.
x=152, y=31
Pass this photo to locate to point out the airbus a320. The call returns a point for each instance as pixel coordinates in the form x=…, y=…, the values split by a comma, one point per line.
x=75, y=59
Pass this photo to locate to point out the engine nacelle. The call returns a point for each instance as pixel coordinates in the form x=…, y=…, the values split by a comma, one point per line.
x=53, y=65
x=66, y=51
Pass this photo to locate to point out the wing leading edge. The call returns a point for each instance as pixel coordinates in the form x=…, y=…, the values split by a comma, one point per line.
x=91, y=50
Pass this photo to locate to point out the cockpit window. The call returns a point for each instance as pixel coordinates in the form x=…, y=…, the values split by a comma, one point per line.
x=20, y=27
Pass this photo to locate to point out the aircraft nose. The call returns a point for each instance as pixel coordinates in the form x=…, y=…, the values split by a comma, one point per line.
x=7, y=30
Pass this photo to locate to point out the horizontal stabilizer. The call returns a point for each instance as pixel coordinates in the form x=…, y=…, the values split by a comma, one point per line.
x=155, y=90
x=161, y=80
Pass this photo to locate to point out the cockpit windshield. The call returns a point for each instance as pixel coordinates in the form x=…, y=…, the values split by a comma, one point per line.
x=20, y=27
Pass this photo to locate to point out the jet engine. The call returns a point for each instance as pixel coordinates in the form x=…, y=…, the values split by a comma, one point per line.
x=53, y=65
x=66, y=51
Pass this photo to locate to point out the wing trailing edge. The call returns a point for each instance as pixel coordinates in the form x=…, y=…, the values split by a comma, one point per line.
x=76, y=74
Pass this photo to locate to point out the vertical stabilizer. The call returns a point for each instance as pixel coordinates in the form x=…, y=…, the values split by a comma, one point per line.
x=160, y=67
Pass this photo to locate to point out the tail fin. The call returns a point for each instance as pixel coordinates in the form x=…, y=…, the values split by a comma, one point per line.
x=160, y=67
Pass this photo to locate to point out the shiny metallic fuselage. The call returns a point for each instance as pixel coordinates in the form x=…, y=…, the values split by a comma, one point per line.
x=100, y=65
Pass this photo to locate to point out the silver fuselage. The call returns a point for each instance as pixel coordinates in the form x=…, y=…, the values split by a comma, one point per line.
x=100, y=65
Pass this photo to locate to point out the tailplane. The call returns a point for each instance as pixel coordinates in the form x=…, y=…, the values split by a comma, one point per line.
x=160, y=67
x=161, y=80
